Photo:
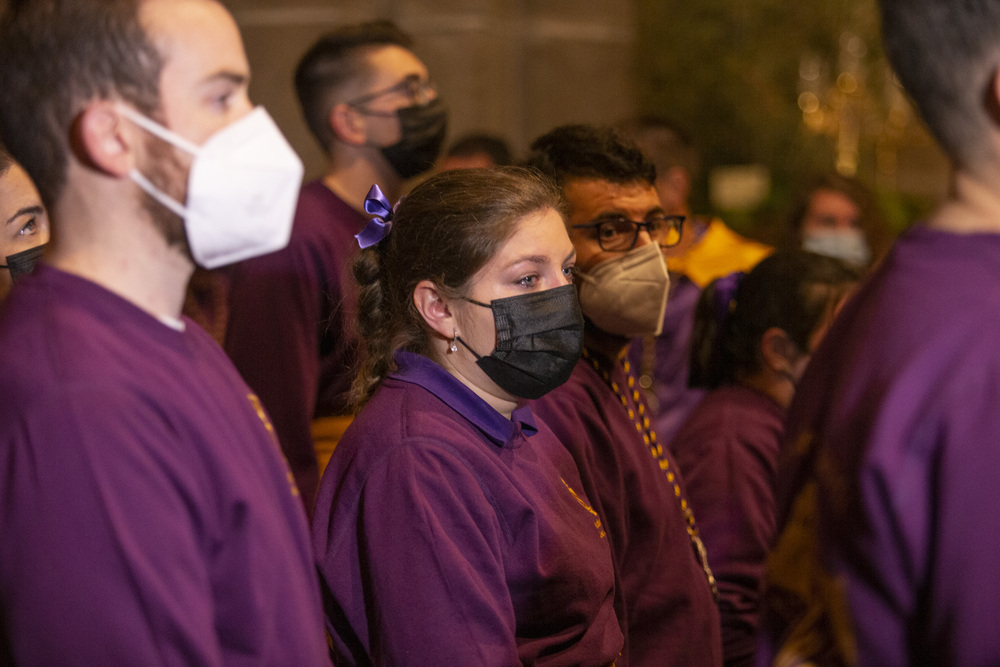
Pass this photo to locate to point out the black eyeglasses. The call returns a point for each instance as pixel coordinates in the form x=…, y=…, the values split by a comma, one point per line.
x=415, y=90
x=618, y=233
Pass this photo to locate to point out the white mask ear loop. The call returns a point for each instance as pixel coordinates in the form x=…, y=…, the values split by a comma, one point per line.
x=170, y=137
x=153, y=127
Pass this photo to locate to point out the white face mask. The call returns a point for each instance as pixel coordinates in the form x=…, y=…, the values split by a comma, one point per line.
x=242, y=188
x=627, y=295
x=848, y=245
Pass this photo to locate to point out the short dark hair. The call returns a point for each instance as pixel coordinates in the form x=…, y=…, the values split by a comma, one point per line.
x=337, y=59
x=665, y=143
x=793, y=290
x=946, y=55
x=55, y=56
x=481, y=144
x=444, y=230
x=589, y=151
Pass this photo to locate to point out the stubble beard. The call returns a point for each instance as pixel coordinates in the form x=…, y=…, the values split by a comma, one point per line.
x=166, y=172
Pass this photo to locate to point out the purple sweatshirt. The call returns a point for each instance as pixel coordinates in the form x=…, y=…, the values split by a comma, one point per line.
x=447, y=534
x=728, y=454
x=665, y=603
x=889, y=538
x=146, y=514
x=291, y=325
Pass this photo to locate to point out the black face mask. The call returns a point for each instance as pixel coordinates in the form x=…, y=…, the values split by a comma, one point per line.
x=22, y=263
x=422, y=128
x=539, y=341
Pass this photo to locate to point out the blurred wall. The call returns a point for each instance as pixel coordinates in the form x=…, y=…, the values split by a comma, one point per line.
x=516, y=68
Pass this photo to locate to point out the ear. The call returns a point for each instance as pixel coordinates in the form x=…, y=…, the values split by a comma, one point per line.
x=433, y=307
x=347, y=124
x=778, y=351
x=102, y=140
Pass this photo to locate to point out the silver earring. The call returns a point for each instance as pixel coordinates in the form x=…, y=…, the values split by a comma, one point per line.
x=454, y=346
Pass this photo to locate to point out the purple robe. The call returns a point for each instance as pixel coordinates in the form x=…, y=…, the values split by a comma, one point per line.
x=447, y=534
x=728, y=452
x=889, y=536
x=146, y=514
x=665, y=603
x=291, y=325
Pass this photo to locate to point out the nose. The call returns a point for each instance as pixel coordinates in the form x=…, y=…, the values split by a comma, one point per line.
x=425, y=93
x=643, y=238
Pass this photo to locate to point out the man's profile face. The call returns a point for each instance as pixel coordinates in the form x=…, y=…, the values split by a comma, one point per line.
x=203, y=88
x=205, y=75
x=390, y=66
x=592, y=199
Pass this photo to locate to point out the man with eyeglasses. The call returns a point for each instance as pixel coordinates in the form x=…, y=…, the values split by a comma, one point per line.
x=664, y=587
x=368, y=101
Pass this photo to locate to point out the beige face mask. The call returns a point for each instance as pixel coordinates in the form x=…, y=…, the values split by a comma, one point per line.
x=627, y=295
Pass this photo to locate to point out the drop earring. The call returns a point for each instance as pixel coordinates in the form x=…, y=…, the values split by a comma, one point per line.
x=454, y=346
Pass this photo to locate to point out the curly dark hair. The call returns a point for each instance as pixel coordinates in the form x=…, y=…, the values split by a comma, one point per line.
x=589, y=151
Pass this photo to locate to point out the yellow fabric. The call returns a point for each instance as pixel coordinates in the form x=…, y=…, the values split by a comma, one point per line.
x=327, y=432
x=719, y=252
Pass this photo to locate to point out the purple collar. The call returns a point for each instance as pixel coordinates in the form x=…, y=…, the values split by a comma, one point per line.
x=419, y=370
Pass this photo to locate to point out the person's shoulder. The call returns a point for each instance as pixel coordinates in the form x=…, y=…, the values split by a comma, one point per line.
x=405, y=416
x=730, y=416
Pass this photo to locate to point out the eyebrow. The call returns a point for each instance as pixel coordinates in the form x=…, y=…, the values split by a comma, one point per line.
x=27, y=210
x=618, y=213
x=541, y=259
x=232, y=77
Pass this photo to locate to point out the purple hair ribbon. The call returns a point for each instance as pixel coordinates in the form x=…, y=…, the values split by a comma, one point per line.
x=378, y=227
x=725, y=295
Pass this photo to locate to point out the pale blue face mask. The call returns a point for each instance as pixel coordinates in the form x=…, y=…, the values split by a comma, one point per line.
x=847, y=245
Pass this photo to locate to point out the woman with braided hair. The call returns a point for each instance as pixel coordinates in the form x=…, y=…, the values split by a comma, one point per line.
x=451, y=526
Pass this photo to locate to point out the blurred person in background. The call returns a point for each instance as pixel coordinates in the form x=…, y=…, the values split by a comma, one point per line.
x=838, y=217
x=369, y=102
x=476, y=150
x=753, y=336
x=888, y=534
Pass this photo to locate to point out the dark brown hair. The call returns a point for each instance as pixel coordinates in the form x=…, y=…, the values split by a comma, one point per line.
x=444, y=231
x=589, y=151
x=5, y=160
x=55, y=56
x=335, y=60
x=792, y=290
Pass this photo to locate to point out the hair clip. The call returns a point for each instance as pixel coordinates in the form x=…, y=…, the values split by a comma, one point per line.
x=378, y=227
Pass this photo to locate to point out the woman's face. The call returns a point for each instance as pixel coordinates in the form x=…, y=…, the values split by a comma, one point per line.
x=539, y=256
x=23, y=219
